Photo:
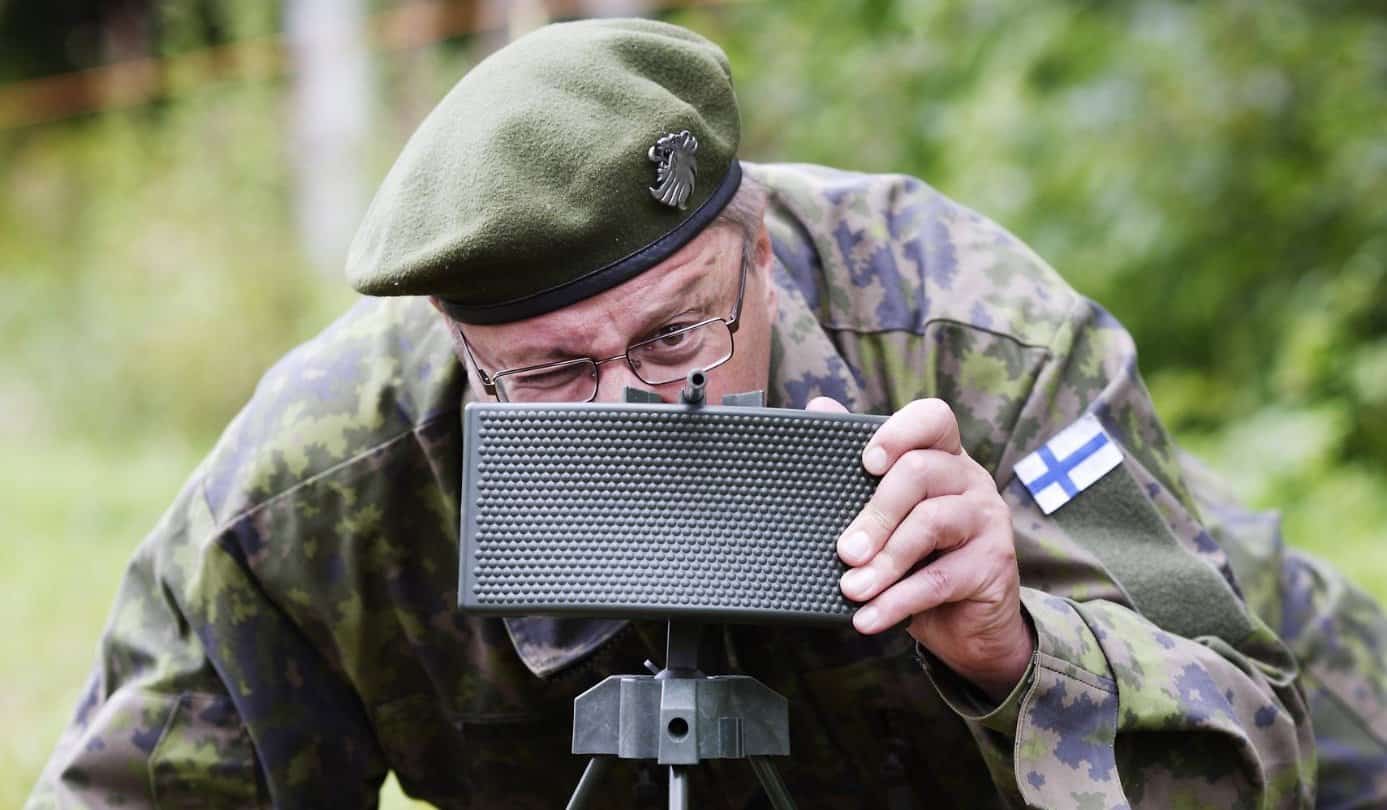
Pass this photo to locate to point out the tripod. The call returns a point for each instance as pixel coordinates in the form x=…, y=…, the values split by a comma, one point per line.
x=679, y=716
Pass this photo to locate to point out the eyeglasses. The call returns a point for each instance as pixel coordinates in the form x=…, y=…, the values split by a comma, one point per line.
x=668, y=356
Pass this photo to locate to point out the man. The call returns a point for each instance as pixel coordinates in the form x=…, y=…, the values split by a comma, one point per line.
x=575, y=214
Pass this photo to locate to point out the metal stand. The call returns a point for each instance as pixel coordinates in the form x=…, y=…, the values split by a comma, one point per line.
x=679, y=717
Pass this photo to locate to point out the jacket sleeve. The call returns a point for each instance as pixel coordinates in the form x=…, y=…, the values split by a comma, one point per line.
x=156, y=726
x=1152, y=683
x=1336, y=631
x=206, y=694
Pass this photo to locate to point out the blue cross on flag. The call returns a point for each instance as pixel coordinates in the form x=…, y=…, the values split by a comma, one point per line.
x=1069, y=463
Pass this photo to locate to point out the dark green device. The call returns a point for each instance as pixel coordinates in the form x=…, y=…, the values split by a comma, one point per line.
x=689, y=513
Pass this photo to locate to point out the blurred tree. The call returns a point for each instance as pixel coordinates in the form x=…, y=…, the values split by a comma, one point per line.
x=1213, y=173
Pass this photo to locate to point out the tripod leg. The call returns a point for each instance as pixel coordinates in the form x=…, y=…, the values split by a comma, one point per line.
x=770, y=781
x=587, y=783
x=678, y=787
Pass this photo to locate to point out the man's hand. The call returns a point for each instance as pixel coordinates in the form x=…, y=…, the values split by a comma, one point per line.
x=934, y=545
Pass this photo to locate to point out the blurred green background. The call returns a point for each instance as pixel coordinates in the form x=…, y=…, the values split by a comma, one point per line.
x=1214, y=174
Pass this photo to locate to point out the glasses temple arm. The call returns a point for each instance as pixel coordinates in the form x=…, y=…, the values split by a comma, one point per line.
x=488, y=384
x=734, y=320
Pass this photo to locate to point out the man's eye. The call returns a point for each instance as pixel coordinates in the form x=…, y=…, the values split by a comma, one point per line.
x=668, y=339
x=551, y=378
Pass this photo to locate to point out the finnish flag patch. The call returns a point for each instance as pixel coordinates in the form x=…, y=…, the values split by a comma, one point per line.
x=1069, y=463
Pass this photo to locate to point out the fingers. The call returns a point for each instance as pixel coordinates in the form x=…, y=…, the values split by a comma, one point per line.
x=915, y=477
x=938, y=524
x=953, y=577
x=923, y=424
x=932, y=499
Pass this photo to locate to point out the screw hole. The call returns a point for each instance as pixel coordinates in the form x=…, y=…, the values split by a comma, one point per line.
x=678, y=727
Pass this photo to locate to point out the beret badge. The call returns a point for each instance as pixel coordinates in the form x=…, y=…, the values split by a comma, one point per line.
x=673, y=155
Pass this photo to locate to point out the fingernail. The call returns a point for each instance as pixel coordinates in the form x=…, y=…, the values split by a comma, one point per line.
x=874, y=460
x=856, y=546
x=858, y=580
x=865, y=620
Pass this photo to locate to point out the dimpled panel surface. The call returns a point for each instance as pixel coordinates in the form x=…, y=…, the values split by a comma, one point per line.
x=652, y=511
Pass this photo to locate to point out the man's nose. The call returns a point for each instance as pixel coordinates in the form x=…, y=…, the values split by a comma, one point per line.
x=613, y=379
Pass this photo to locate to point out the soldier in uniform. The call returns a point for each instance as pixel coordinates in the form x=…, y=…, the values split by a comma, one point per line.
x=573, y=219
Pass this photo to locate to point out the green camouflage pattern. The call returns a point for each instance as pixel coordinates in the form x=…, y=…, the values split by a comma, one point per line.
x=288, y=633
x=1334, y=629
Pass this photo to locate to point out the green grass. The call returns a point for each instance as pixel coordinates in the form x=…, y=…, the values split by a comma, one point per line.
x=71, y=513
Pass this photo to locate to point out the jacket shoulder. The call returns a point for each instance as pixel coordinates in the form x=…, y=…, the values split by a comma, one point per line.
x=886, y=252
x=376, y=375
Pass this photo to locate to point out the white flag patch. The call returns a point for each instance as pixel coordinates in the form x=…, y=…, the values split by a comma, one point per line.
x=1069, y=463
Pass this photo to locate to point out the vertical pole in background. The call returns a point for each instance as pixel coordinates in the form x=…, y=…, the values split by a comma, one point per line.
x=331, y=108
x=614, y=8
x=524, y=16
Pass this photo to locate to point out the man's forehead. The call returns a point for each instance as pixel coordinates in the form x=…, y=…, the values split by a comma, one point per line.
x=695, y=266
x=687, y=279
x=691, y=269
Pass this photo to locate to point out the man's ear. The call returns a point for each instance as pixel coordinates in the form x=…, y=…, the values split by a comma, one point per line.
x=764, y=252
x=765, y=256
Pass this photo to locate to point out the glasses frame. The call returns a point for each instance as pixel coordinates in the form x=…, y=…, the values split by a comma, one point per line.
x=732, y=321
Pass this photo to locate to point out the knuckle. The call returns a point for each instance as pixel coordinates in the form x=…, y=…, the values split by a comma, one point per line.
x=1004, y=555
x=995, y=510
x=874, y=515
x=938, y=412
x=888, y=564
x=947, y=425
x=988, y=505
x=923, y=515
x=917, y=464
x=978, y=476
x=937, y=579
x=926, y=526
x=937, y=408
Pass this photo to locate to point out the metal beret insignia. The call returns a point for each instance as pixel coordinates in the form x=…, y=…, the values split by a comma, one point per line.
x=673, y=155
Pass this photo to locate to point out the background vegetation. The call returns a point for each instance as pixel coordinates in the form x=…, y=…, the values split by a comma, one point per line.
x=1212, y=173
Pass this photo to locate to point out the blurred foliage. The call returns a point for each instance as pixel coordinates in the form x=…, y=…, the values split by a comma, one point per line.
x=149, y=270
x=1215, y=174
x=1212, y=173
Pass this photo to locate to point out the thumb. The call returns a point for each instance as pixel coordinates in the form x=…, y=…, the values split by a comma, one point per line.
x=825, y=405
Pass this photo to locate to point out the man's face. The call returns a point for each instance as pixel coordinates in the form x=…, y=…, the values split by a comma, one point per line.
x=698, y=282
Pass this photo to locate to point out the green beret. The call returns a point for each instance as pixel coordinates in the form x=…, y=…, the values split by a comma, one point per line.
x=573, y=159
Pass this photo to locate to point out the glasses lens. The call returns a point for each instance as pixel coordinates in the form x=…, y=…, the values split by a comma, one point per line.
x=570, y=381
x=673, y=355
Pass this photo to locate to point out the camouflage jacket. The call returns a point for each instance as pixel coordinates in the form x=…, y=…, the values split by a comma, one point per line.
x=288, y=632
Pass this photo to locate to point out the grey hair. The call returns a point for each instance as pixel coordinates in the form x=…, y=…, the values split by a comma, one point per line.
x=746, y=212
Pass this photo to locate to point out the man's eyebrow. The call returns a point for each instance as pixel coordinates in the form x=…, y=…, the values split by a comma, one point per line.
x=533, y=356
x=551, y=354
x=686, y=297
